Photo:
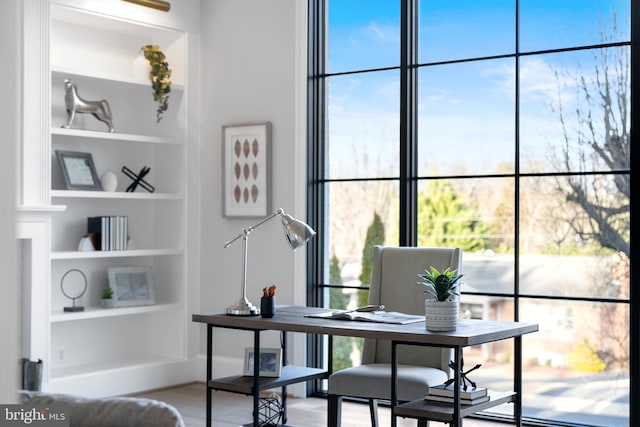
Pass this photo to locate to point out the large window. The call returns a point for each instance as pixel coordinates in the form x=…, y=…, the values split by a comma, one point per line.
x=501, y=127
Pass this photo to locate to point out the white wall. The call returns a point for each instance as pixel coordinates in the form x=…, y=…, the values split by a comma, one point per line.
x=253, y=69
x=10, y=120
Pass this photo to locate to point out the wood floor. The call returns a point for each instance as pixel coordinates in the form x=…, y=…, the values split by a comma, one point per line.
x=231, y=409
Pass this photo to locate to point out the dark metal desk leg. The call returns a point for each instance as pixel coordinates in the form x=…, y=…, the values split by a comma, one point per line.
x=209, y=370
x=517, y=376
x=284, y=388
x=394, y=383
x=256, y=378
x=334, y=402
x=457, y=421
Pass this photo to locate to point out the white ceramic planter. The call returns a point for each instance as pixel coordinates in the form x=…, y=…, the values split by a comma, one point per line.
x=441, y=315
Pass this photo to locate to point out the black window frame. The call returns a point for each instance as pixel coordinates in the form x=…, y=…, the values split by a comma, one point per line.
x=408, y=176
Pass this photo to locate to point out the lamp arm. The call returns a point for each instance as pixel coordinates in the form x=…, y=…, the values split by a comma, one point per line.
x=245, y=231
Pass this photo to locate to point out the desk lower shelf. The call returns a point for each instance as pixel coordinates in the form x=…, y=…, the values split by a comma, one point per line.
x=443, y=411
x=288, y=375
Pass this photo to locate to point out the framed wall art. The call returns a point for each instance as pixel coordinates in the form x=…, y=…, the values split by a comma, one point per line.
x=270, y=361
x=246, y=165
x=78, y=170
x=131, y=286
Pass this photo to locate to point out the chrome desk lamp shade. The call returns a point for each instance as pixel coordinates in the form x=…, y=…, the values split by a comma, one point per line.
x=296, y=232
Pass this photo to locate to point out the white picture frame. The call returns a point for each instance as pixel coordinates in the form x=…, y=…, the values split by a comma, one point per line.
x=247, y=171
x=132, y=286
x=270, y=362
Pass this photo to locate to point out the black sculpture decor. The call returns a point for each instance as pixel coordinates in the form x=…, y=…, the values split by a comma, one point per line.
x=463, y=375
x=138, y=179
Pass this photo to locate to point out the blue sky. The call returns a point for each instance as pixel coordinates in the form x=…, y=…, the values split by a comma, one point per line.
x=467, y=106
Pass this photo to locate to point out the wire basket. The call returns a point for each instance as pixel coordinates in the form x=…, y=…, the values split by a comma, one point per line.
x=270, y=411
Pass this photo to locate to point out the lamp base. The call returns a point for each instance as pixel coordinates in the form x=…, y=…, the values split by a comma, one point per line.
x=243, y=308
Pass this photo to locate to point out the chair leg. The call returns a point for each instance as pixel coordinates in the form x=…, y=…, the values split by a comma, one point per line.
x=423, y=423
x=334, y=410
x=373, y=410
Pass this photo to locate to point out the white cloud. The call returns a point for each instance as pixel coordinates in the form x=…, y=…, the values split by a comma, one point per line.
x=381, y=33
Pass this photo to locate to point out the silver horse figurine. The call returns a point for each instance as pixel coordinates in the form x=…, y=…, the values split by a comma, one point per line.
x=75, y=104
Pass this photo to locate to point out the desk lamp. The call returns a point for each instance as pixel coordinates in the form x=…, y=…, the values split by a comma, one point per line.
x=296, y=232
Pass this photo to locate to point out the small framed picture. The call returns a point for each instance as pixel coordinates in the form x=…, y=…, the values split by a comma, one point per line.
x=246, y=180
x=78, y=170
x=270, y=361
x=131, y=286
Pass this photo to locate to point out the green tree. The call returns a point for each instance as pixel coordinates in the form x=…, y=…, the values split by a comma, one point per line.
x=337, y=298
x=335, y=275
x=375, y=236
x=446, y=220
x=342, y=346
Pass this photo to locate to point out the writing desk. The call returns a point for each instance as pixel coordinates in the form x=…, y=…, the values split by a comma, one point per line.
x=293, y=319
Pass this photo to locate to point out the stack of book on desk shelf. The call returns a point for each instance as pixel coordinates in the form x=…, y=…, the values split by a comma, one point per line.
x=471, y=396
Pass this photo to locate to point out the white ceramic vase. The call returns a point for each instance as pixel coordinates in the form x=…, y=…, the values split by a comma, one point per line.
x=441, y=316
x=109, y=181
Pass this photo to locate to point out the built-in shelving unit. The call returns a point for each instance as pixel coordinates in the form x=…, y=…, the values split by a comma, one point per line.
x=96, y=313
x=70, y=72
x=100, y=137
x=98, y=351
x=114, y=254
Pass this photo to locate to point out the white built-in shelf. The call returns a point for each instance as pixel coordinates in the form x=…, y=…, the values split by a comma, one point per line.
x=109, y=77
x=92, y=135
x=35, y=210
x=71, y=194
x=114, y=254
x=95, y=351
x=99, y=313
x=67, y=372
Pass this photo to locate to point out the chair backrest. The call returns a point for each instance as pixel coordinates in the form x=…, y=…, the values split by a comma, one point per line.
x=394, y=277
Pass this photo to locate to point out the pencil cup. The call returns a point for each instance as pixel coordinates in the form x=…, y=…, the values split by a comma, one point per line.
x=267, y=306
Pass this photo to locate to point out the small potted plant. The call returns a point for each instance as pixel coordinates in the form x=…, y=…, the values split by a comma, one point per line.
x=107, y=297
x=441, y=305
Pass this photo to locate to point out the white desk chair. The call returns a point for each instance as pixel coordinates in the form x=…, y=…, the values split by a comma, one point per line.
x=393, y=284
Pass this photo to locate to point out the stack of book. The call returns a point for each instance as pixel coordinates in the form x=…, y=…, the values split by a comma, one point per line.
x=470, y=396
x=108, y=233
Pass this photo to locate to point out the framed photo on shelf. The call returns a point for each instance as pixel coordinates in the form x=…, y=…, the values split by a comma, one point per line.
x=78, y=170
x=131, y=286
x=246, y=164
x=270, y=361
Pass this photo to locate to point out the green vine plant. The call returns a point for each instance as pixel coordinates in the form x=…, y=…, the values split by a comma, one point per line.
x=159, y=76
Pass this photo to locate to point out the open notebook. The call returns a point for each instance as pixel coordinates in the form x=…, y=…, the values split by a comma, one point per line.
x=371, y=316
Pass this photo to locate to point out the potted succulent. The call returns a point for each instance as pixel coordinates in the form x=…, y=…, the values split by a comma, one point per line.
x=441, y=305
x=107, y=297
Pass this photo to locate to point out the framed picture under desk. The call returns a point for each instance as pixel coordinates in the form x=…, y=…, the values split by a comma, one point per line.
x=470, y=332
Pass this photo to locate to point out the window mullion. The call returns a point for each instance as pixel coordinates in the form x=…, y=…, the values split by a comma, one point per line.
x=408, y=123
x=316, y=146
